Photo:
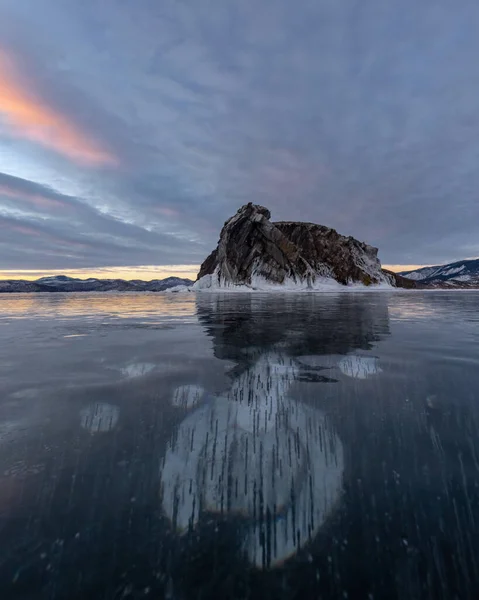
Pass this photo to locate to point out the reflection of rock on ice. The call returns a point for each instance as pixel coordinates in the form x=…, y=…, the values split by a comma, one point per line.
x=99, y=417
x=259, y=392
x=256, y=453
x=187, y=396
x=360, y=367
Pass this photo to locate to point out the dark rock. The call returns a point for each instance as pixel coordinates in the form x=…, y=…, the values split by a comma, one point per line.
x=252, y=250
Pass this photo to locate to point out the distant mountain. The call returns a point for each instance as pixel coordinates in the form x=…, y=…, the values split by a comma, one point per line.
x=62, y=283
x=461, y=274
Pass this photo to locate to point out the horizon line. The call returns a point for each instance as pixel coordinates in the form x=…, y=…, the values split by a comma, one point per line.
x=141, y=272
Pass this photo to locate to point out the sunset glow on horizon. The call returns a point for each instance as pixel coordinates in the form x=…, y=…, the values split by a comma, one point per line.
x=143, y=272
x=401, y=268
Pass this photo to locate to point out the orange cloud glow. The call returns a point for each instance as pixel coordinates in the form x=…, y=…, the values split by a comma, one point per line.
x=29, y=117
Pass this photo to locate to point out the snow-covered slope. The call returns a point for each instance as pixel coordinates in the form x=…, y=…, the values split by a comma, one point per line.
x=62, y=283
x=464, y=273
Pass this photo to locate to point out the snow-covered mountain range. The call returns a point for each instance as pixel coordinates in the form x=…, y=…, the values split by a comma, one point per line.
x=62, y=283
x=461, y=274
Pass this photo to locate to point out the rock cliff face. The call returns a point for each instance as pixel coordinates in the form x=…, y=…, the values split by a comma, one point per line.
x=254, y=252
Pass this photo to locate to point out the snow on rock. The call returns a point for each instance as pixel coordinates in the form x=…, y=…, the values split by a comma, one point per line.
x=259, y=283
x=463, y=278
x=453, y=271
x=209, y=283
x=420, y=274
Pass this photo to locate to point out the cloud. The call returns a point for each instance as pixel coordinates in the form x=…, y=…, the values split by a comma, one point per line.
x=36, y=200
x=29, y=117
x=359, y=116
x=61, y=230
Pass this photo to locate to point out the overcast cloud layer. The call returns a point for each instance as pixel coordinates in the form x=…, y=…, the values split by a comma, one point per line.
x=129, y=131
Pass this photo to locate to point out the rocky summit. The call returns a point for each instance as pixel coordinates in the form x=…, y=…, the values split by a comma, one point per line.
x=255, y=253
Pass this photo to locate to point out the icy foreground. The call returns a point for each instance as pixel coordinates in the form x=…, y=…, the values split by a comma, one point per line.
x=254, y=452
x=255, y=254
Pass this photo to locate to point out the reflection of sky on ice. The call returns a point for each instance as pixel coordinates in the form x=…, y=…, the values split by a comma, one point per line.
x=255, y=452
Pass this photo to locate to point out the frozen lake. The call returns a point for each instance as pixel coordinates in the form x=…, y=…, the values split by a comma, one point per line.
x=239, y=446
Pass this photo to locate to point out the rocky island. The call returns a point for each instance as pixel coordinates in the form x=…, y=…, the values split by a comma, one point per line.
x=255, y=253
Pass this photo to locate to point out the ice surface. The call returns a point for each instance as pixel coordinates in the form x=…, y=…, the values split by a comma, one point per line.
x=137, y=369
x=99, y=417
x=187, y=396
x=360, y=367
x=245, y=448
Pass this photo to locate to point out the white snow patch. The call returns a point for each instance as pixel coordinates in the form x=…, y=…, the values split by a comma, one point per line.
x=463, y=278
x=453, y=271
x=205, y=283
x=423, y=273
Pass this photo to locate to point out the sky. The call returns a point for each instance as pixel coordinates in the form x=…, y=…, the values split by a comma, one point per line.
x=131, y=130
